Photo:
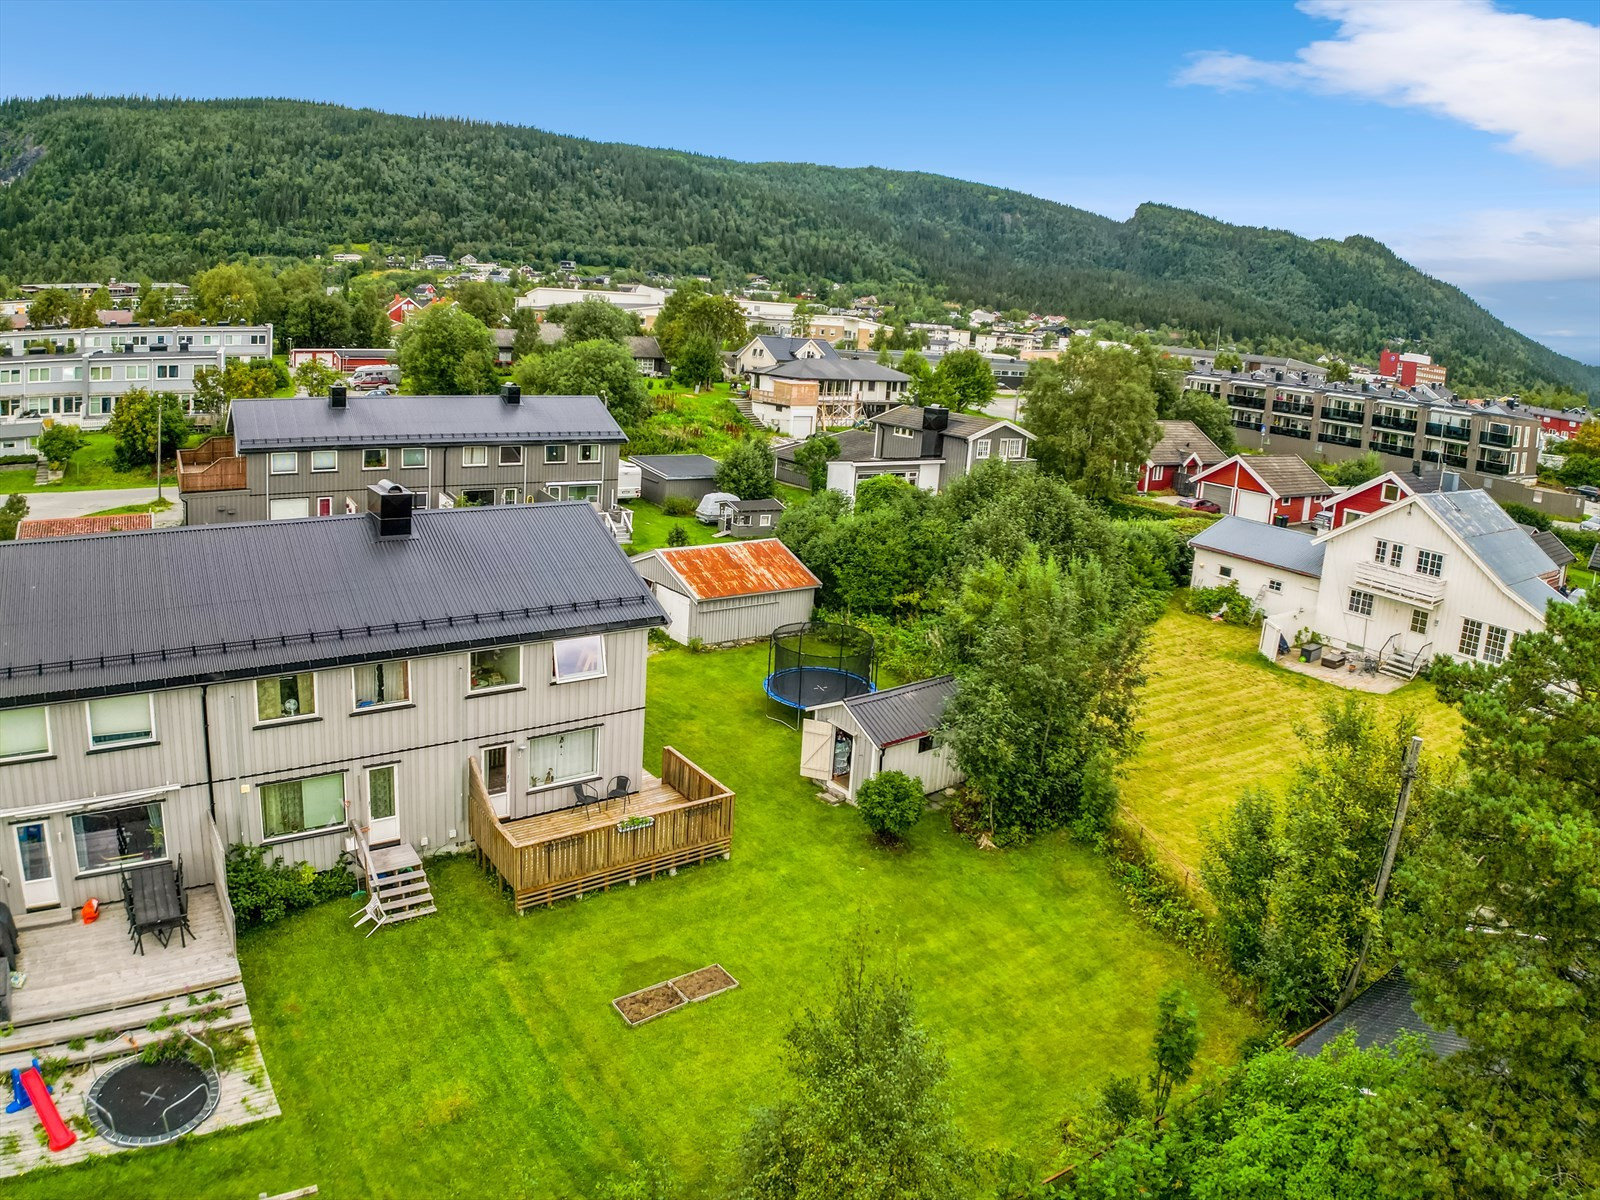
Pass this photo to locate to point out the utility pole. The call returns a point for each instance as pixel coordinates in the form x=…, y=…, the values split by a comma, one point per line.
x=1408, y=774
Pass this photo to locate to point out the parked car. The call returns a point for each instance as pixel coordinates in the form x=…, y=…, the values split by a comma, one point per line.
x=1588, y=491
x=1199, y=505
x=1592, y=525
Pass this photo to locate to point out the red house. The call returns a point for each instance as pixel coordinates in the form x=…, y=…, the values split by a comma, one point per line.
x=1275, y=489
x=1555, y=424
x=402, y=307
x=1182, y=453
x=1367, y=498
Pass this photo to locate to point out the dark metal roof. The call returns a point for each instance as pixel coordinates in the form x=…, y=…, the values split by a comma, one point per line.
x=772, y=505
x=420, y=421
x=854, y=444
x=676, y=466
x=200, y=603
x=1269, y=545
x=1379, y=1015
x=899, y=714
x=1553, y=546
x=833, y=368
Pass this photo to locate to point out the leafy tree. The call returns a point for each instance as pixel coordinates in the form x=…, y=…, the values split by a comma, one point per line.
x=49, y=308
x=1121, y=1101
x=1208, y=412
x=677, y=535
x=228, y=292
x=884, y=359
x=443, y=352
x=1227, y=361
x=526, y=323
x=1500, y=931
x=921, y=390
x=85, y=310
x=134, y=425
x=699, y=362
x=152, y=304
x=1351, y=471
x=1094, y=413
x=814, y=454
x=1176, y=1041
x=748, y=470
x=964, y=380
x=597, y=368
x=1586, y=440
x=12, y=513
x=717, y=320
x=316, y=319
x=593, y=319
x=1242, y=860
x=489, y=302
x=59, y=443
x=891, y=804
x=866, y=1113
x=1338, y=372
x=314, y=377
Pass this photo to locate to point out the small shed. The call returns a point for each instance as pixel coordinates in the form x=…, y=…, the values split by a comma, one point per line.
x=20, y=437
x=662, y=476
x=845, y=744
x=750, y=518
x=729, y=591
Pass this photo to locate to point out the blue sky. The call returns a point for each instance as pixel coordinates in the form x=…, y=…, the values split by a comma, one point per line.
x=1464, y=134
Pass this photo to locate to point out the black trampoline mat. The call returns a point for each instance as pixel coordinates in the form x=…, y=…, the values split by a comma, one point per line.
x=151, y=1102
x=810, y=687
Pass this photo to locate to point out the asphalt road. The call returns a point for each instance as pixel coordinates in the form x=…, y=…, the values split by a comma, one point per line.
x=81, y=504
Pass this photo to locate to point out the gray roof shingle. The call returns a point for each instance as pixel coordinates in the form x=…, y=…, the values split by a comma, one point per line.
x=1180, y=439
x=899, y=714
x=1268, y=545
x=1378, y=1016
x=1498, y=541
x=854, y=445
x=834, y=368
x=420, y=421
x=1287, y=475
x=201, y=603
x=676, y=466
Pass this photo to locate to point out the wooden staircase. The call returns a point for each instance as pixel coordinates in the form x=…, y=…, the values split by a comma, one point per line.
x=746, y=408
x=397, y=885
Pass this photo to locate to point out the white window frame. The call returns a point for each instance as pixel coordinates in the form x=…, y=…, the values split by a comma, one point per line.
x=1360, y=603
x=1430, y=563
x=589, y=452
x=421, y=466
x=1011, y=447
x=516, y=456
x=143, y=739
x=291, y=500
x=322, y=454
x=355, y=700
x=97, y=374
x=382, y=466
x=41, y=375
x=1274, y=585
x=1490, y=653
x=277, y=456
x=593, y=641
x=902, y=431
x=1475, y=642
x=82, y=872
x=300, y=715
x=137, y=372
x=1390, y=492
x=1419, y=616
x=468, y=453
x=28, y=755
x=268, y=839
x=981, y=448
x=508, y=495
x=568, y=780
x=555, y=454
x=473, y=690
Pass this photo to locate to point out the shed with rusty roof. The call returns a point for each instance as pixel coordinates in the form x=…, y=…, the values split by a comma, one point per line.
x=730, y=591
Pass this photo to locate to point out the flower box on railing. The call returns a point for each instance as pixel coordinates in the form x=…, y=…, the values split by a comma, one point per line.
x=628, y=824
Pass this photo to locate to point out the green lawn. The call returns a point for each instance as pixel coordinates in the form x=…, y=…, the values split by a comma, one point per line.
x=651, y=526
x=703, y=423
x=89, y=470
x=154, y=506
x=1217, y=718
x=475, y=1053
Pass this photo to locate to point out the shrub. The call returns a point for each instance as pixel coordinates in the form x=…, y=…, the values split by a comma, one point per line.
x=1523, y=515
x=1121, y=1101
x=1580, y=541
x=678, y=506
x=59, y=443
x=677, y=536
x=891, y=804
x=1235, y=607
x=264, y=892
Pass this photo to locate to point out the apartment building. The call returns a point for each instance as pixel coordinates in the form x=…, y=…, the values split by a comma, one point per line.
x=1286, y=412
x=306, y=686
x=233, y=341
x=315, y=456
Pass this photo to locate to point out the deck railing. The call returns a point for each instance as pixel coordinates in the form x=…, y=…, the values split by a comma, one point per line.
x=219, y=875
x=212, y=466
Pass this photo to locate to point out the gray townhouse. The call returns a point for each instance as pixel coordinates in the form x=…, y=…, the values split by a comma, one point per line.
x=311, y=687
x=232, y=341
x=315, y=456
x=929, y=447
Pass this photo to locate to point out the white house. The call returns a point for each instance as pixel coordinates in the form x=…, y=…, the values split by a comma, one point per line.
x=845, y=744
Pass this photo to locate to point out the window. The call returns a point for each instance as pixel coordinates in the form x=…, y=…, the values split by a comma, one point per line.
x=766, y=520
x=584, y=491
x=1391, y=493
x=166, y=370
x=980, y=449
x=42, y=374
x=555, y=454
x=11, y=375
x=374, y=460
x=113, y=837
x=288, y=509
x=499, y=667
x=1494, y=644
x=302, y=805
x=1430, y=562
x=903, y=432
x=382, y=683
x=121, y=719
x=590, y=452
x=413, y=456
x=925, y=743
x=1471, y=637
x=1010, y=447
x=1225, y=572
x=474, y=456
x=1360, y=603
x=380, y=792
x=579, y=658
x=286, y=696
x=24, y=732
x=1390, y=553
x=1419, y=620
x=96, y=374
x=137, y=371
x=258, y=339
x=284, y=462
x=510, y=456
x=324, y=460
x=508, y=495
x=1274, y=585
x=559, y=758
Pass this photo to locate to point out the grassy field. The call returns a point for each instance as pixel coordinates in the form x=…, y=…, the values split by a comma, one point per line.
x=690, y=423
x=154, y=506
x=651, y=526
x=475, y=1053
x=90, y=470
x=1218, y=718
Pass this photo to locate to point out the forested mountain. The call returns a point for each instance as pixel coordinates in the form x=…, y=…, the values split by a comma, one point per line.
x=98, y=187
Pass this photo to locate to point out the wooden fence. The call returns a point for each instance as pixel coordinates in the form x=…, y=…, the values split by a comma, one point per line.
x=219, y=873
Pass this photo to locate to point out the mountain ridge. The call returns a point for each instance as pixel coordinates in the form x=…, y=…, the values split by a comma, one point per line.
x=129, y=186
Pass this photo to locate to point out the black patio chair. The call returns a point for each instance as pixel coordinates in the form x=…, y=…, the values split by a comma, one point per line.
x=620, y=786
x=585, y=795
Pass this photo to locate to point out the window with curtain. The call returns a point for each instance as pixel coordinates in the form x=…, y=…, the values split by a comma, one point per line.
x=383, y=683
x=112, y=837
x=120, y=719
x=380, y=792
x=286, y=696
x=579, y=658
x=560, y=758
x=24, y=731
x=500, y=667
x=302, y=805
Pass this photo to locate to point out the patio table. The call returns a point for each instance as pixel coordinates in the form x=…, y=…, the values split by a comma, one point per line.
x=157, y=908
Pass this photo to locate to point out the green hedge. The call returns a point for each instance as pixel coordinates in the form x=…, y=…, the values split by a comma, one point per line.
x=1580, y=541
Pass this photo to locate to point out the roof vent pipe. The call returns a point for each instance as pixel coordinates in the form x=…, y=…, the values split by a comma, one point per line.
x=510, y=393
x=389, y=505
x=336, y=396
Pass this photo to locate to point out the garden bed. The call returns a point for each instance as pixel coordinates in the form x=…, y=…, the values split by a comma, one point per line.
x=661, y=998
x=705, y=983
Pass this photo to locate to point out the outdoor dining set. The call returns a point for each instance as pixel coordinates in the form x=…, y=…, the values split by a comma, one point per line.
x=155, y=901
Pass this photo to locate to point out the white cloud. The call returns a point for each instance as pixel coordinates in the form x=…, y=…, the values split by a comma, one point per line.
x=1505, y=246
x=1534, y=80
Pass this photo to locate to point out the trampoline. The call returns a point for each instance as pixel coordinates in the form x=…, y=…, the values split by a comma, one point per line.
x=816, y=663
x=138, y=1103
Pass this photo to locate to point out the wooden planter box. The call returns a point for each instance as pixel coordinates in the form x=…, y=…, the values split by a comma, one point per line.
x=673, y=990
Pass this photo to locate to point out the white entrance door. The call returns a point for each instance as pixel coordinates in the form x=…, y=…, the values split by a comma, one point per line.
x=39, y=888
x=383, y=814
x=497, y=777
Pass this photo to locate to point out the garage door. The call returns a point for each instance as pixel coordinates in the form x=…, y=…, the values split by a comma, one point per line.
x=1254, y=506
x=1218, y=494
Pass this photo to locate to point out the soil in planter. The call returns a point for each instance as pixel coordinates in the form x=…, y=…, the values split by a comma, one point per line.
x=649, y=1003
x=703, y=982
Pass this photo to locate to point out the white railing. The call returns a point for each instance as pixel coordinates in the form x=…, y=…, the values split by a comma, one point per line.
x=1413, y=588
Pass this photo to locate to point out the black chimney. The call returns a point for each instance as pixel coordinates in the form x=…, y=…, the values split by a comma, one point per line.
x=936, y=418
x=510, y=393
x=336, y=396
x=389, y=505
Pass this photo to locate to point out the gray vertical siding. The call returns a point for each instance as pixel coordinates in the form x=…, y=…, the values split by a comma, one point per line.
x=741, y=618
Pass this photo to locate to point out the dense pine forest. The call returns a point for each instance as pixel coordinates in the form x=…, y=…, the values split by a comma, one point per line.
x=128, y=187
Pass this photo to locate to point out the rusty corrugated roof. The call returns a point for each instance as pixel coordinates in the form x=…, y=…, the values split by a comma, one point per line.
x=738, y=569
x=54, y=527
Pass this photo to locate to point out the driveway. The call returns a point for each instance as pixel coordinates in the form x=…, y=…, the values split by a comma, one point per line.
x=81, y=504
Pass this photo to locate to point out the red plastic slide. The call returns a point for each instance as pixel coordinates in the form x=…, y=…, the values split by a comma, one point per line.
x=49, y=1116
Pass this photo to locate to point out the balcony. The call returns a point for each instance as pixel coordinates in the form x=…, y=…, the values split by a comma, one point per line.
x=1488, y=437
x=1421, y=591
x=212, y=466
x=1402, y=449
x=1335, y=437
x=1457, y=461
x=1451, y=433
x=1386, y=421
x=1291, y=431
x=1353, y=416
x=1489, y=466
x=1294, y=408
x=1244, y=421
x=1258, y=403
x=683, y=817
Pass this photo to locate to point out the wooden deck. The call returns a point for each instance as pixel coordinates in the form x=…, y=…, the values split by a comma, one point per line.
x=549, y=857
x=73, y=969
